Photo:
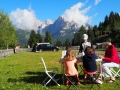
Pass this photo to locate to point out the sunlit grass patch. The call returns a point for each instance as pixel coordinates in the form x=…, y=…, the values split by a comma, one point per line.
x=24, y=71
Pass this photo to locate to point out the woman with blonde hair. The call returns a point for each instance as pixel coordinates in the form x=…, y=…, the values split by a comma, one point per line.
x=110, y=59
x=69, y=61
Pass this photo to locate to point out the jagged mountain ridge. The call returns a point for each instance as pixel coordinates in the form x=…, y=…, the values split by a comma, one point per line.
x=60, y=29
x=55, y=27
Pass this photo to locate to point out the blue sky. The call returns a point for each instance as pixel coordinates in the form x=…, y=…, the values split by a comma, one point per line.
x=82, y=11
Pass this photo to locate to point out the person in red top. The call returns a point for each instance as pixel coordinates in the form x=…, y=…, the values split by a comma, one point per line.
x=111, y=59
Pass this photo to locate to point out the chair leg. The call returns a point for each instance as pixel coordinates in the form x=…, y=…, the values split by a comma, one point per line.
x=71, y=83
x=81, y=67
x=45, y=81
x=94, y=81
x=85, y=76
x=51, y=78
x=115, y=73
x=89, y=79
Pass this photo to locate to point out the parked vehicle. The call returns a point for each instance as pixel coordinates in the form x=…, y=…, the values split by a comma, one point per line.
x=45, y=47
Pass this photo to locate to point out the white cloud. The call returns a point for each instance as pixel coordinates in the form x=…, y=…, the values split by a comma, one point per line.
x=95, y=14
x=23, y=19
x=97, y=1
x=77, y=15
x=86, y=1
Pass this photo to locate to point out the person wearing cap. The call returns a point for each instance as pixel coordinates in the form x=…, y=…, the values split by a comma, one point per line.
x=85, y=43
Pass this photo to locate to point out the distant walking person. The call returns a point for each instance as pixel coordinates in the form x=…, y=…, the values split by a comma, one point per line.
x=28, y=47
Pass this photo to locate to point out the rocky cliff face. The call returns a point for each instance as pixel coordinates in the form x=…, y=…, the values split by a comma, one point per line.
x=57, y=26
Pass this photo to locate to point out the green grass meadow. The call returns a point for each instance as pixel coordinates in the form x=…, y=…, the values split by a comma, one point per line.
x=24, y=71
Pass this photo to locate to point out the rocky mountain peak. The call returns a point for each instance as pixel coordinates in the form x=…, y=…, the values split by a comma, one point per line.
x=48, y=22
x=57, y=25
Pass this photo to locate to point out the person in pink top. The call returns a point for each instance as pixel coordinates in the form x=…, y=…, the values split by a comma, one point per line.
x=110, y=59
x=70, y=61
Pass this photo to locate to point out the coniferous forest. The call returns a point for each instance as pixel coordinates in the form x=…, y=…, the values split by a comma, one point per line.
x=108, y=29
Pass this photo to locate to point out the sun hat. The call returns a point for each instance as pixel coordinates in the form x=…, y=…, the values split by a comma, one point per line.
x=85, y=36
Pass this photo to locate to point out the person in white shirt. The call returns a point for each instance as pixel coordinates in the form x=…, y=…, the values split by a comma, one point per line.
x=85, y=43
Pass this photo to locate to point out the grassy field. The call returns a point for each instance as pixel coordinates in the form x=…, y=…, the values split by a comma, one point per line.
x=24, y=71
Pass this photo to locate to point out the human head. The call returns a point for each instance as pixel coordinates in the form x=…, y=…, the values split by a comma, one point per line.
x=68, y=49
x=107, y=44
x=69, y=53
x=89, y=50
x=85, y=37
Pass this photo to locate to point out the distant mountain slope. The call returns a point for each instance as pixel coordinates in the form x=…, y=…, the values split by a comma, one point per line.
x=23, y=36
x=60, y=29
x=57, y=26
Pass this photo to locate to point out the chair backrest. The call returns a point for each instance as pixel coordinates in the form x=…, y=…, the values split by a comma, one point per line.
x=44, y=64
x=119, y=55
x=63, y=53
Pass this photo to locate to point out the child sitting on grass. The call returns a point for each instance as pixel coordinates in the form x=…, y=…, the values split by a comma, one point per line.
x=70, y=61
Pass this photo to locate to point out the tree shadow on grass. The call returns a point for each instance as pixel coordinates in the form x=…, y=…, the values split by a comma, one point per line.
x=36, y=77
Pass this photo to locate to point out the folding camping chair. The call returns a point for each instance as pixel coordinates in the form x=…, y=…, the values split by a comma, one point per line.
x=49, y=73
x=71, y=80
x=63, y=53
x=92, y=76
x=115, y=70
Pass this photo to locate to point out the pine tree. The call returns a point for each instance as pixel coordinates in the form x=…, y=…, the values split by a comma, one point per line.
x=78, y=36
x=58, y=43
x=32, y=39
x=38, y=38
x=67, y=43
x=90, y=33
x=48, y=37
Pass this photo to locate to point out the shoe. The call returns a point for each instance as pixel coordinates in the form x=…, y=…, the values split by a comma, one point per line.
x=78, y=83
x=99, y=81
x=111, y=80
x=99, y=78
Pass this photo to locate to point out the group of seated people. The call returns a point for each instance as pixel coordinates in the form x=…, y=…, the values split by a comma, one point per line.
x=110, y=59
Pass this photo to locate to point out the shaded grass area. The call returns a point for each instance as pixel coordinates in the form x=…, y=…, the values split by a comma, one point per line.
x=24, y=71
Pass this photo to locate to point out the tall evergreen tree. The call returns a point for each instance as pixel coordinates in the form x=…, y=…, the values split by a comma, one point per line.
x=101, y=28
x=48, y=37
x=90, y=33
x=38, y=38
x=75, y=40
x=66, y=43
x=32, y=39
x=78, y=36
x=106, y=25
x=58, y=43
x=95, y=31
